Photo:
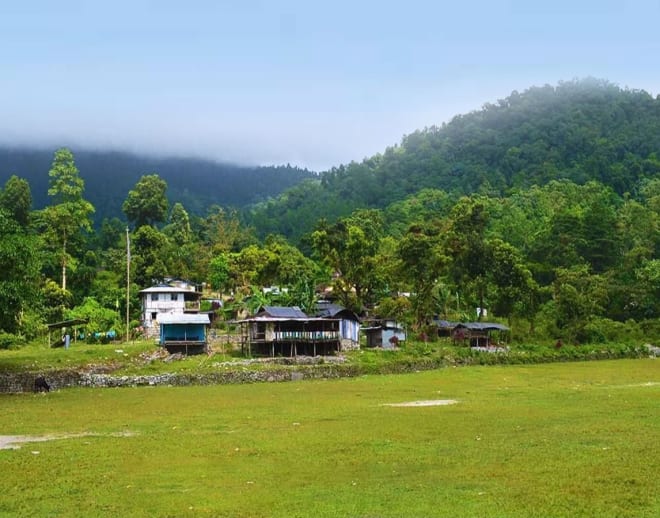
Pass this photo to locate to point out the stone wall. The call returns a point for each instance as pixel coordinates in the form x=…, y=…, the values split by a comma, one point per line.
x=24, y=382
x=289, y=369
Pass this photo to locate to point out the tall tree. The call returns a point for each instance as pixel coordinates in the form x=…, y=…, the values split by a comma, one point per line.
x=468, y=247
x=16, y=200
x=349, y=248
x=19, y=264
x=147, y=203
x=149, y=255
x=70, y=213
x=422, y=264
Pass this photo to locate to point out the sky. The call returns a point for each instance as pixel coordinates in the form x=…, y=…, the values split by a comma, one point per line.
x=313, y=84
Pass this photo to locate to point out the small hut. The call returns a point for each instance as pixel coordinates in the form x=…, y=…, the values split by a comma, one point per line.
x=184, y=332
x=63, y=326
x=384, y=333
x=478, y=334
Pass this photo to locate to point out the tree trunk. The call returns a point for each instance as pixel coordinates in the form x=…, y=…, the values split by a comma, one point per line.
x=64, y=266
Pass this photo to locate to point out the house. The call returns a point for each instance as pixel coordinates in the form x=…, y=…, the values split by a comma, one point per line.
x=478, y=334
x=384, y=333
x=165, y=299
x=445, y=327
x=288, y=331
x=183, y=332
x=349, y=323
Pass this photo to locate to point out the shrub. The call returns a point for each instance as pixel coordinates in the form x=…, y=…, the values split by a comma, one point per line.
x=10, y=341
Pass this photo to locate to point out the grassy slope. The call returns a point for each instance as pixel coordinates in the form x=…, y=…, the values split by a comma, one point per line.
x=575, y=439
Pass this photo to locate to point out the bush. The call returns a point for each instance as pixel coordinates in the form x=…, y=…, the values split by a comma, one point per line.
x=10, y=341
x=650, y=330
x=604, y=330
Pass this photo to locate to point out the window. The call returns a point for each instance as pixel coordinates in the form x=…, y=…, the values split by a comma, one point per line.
x=174, y=296
x=154, y=296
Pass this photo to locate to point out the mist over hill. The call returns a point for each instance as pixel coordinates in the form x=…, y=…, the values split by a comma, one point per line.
x=109, y=175
x=579, y=130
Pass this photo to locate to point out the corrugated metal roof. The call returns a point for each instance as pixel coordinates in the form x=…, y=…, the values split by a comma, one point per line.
x=327, y=310
x=483, y=326
x=169, y=289
x=183, y=318
x=282, y=312
x=445, y=324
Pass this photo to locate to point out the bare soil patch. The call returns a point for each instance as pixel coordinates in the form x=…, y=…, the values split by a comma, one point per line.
x=427, y=402
x=14, y=442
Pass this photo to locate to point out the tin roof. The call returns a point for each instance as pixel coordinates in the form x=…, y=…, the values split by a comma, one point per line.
x=183, y=318
x=169, y=289
x=328, y=310
x=483, y=326
x=281, y=312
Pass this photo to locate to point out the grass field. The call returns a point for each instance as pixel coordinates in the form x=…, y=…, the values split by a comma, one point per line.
x=570, y=439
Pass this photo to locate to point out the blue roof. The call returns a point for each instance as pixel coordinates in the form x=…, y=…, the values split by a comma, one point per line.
x=445, y=324
x=483, y=326
x=282, y=312
x=328, y=310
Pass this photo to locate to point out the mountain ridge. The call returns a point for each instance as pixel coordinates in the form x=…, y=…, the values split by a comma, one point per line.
x=579, y=130
x=109, y=175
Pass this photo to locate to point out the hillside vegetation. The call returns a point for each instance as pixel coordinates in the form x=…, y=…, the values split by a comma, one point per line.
x=579, y=131
x=543, y=209
x=197, y=184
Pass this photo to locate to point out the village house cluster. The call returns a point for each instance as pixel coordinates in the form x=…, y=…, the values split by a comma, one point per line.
x=171, y=314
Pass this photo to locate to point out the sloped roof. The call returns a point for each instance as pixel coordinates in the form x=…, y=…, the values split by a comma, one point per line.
x=163, y=288
x=445, y=324
x=281, y=312
x=183, y=318
x=68, y=323
x=483, y=326
x=328, y=310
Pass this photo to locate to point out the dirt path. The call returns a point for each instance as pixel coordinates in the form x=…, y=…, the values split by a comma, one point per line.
x=14, y=442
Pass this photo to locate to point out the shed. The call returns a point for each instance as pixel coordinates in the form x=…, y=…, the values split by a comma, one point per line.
x=445, y=327
x=384, y=333
x=184, y=332
x=73, y=323
x=478, y=333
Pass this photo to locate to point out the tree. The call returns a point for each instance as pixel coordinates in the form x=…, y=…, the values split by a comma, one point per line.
x=467, y=246
x=286, y=264
x=422, y=264
x=20, y=265
x=16, y=200
x=515, y=289
x=149, y=255
x=578, y=296
x=99, y=318
x=219, y=272
x=147, y=203
x=349, y=248
x=69, y=215
x=178, y=228
x=183, y=254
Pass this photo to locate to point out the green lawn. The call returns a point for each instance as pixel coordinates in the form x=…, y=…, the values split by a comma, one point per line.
x=569, y=439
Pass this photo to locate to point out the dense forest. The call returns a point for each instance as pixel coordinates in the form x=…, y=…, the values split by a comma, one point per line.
x=543, y=209
x=196, y=183
x=579, y=131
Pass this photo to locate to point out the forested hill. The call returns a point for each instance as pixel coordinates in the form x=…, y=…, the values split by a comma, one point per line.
x=109, y=176
x=579, y=130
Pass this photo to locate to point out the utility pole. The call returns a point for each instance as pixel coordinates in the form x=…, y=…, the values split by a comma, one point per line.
x=128, y=283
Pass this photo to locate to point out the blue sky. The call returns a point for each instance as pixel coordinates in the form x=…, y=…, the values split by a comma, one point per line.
x=308, y=83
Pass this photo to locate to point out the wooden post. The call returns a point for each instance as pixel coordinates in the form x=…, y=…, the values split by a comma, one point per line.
x=128, y=284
